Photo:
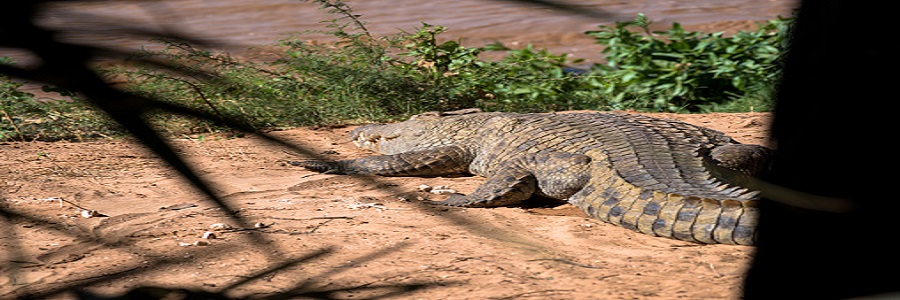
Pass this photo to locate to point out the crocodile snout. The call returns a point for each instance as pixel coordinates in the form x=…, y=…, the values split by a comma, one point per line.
x=370, y=136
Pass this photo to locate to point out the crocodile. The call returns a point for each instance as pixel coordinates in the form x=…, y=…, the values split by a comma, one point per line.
x=657, y=176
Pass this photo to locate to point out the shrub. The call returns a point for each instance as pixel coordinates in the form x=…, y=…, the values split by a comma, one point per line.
x=681, y=71
x=24, y=118
x=362, y=78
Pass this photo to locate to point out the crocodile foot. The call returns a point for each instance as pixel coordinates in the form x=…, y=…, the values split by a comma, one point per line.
x=326, y=167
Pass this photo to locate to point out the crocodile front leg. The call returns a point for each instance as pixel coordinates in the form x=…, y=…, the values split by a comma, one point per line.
x=556, y=175
x=432, y=162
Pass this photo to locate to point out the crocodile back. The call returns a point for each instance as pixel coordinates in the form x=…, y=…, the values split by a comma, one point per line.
x=654, y=176
x=651, y=153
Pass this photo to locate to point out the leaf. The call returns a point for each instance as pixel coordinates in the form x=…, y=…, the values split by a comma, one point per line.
x=628, y=76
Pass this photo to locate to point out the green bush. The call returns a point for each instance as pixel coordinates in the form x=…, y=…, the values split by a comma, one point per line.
x=525, y=80
x=362, y=78
x=24, y=118
x=216, y=83
x=681, y=71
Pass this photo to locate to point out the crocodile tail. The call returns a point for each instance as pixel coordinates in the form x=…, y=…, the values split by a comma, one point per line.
x=656, y=213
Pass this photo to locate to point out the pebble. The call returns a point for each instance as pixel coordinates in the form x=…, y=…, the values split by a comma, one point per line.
x=89, y=213
x=437, y=191
x=196, y=243
x=220, y=226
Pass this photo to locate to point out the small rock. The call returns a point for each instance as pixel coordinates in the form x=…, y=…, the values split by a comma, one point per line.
x=209, y=235
x=89, y=213
x=443, y=191
x=220, y=226
x=367, y=205
x=425, y=188
x=201, y=243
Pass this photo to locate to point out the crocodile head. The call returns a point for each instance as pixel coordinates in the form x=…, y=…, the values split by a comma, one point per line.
x=422, y=131
x=384, y=137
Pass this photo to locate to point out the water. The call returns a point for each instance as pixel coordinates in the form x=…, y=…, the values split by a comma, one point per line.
x=241, y=24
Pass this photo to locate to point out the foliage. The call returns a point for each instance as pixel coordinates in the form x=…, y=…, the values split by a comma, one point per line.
x=363, y=78
x=682, y=71
x=525, y=80
x=25, y=118
x=219, y=85
x=358, y=78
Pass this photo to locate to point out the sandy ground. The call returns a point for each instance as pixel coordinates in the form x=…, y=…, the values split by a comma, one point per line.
x=320, y=236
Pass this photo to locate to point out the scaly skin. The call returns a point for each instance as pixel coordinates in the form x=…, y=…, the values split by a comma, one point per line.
x=656, y=176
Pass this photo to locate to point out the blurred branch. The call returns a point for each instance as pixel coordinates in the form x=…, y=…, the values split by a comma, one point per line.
x=564, y=6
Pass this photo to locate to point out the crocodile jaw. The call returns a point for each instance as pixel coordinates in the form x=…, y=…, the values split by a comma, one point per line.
x=374, y=137
x=370, y=141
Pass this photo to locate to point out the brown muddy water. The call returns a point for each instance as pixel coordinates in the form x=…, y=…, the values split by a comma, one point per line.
x=241, y=24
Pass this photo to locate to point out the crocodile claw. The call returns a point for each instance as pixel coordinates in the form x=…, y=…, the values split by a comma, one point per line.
x=326, y=167
x=448, y=202
x=435, y=203
x=456, y=200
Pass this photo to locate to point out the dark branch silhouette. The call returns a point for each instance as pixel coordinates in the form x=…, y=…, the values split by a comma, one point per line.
x=567, y=7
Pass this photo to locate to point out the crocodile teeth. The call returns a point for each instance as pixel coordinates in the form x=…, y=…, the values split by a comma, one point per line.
x=363, y=140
